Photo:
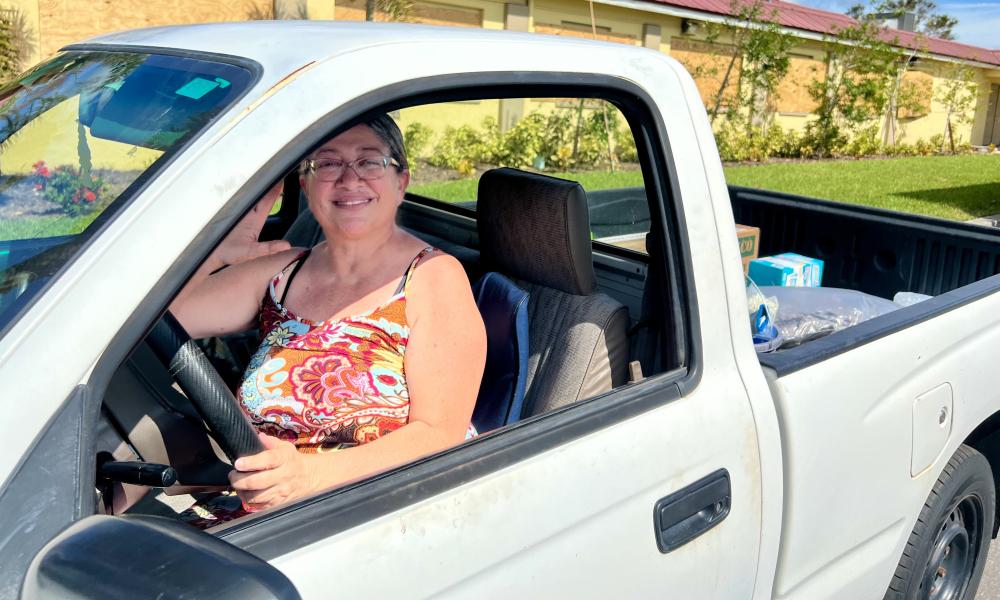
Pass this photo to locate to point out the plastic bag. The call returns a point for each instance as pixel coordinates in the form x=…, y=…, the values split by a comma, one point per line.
x=909, y=298
x=808, y=313
x=763, y=311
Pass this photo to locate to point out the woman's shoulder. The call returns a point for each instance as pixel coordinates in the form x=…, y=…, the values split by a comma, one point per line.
x=438, y=276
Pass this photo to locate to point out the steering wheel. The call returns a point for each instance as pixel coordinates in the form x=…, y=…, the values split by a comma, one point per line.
x=201, y=383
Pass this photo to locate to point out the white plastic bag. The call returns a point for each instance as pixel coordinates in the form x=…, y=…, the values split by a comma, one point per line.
x=808, y=313
x=909, y=298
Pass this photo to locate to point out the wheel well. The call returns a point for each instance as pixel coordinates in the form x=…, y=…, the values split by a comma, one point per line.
x=986, y=439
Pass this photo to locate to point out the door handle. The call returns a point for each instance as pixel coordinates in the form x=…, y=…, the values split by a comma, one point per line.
x=690, y=512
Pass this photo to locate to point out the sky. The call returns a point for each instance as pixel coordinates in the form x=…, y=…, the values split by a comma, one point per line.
x=978, y=20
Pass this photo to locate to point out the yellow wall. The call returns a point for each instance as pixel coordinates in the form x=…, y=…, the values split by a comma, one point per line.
x=53, y=138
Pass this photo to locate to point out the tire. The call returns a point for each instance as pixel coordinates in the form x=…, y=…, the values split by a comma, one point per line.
x=946, y=552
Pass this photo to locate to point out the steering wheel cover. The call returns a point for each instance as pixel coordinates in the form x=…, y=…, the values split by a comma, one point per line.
x=203, y=386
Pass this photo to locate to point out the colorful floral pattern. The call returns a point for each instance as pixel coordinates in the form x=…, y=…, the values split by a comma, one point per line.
x=332, y=383
x=322, y=386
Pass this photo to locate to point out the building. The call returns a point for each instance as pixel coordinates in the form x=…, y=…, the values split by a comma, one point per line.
x=675, y=27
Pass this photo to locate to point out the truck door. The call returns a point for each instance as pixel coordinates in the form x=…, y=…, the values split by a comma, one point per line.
x=652, y=488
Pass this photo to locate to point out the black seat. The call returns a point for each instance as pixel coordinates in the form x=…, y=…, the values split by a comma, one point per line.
x=535, y=229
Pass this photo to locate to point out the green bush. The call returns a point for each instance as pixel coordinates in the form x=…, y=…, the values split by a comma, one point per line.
x=537, y=139
x=865, y=143
x=926, y=148
x=77, y=192
x=415, y=138
x=757, y=144
x=457, y=145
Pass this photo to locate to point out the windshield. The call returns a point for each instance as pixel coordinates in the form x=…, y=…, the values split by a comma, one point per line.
x=78, y=134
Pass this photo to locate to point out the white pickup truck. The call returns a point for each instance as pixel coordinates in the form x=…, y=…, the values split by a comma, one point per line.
x=677, y=463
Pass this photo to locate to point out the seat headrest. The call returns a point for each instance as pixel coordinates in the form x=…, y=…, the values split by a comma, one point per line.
x=536, y=228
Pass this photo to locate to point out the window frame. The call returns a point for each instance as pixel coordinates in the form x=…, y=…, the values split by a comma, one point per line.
x=285, y=529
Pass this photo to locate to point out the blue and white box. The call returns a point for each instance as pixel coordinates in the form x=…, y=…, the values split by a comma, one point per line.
x=788, y=270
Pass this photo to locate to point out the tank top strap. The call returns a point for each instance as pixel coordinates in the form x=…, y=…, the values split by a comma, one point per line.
x=298, y=261
x=405, y=281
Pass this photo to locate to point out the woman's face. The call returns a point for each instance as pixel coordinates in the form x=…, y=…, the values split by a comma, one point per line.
x=351, y=207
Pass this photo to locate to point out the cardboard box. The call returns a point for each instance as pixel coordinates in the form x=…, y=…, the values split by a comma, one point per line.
x=813, y=269
x=749, y=240
x=788, y=270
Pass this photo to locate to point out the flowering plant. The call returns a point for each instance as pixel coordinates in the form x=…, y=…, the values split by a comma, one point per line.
x=75, y=191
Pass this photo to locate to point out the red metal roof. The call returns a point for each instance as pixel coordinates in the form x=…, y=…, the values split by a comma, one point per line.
x=797, y=16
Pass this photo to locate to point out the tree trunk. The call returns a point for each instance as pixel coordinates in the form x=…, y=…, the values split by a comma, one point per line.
x=369, y=10
x=576, y=135
x=950, y=131
x=725, y=78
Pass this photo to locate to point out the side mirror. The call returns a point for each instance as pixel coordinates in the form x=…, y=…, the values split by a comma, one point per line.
x=148, y=557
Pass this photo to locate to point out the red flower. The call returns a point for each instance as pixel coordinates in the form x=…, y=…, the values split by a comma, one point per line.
x=88, y=195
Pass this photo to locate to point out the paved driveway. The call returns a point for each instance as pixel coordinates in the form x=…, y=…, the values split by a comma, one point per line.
x=989, y=588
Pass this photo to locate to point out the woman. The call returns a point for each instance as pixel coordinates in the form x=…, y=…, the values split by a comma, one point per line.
x=368, y=333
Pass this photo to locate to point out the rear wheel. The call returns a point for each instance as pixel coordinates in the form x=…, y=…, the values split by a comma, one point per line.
x=946, y=553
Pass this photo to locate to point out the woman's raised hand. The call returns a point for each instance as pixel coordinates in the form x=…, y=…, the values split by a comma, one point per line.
x=242, y=242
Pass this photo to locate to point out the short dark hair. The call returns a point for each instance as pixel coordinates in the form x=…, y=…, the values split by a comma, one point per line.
x=386, y=130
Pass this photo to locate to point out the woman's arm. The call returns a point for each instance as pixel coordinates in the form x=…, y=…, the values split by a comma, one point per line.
x=215, y=302
x=444, y=364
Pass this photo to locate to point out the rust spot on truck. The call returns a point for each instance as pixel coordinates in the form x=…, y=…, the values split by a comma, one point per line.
x=270, y=92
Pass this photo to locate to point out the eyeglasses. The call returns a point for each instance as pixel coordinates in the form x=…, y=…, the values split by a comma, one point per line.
x=366, y=167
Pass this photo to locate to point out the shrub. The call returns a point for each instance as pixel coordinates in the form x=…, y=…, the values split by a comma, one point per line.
x=523, y=142
x=76, y=192
x=865, y=143
x=757, y=143
x=416, y=137
x=538, y=138
x=456, y=145
x=925, y=148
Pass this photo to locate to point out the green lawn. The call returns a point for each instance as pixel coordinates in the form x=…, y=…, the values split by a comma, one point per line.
x=951, y=187
x=24, y=228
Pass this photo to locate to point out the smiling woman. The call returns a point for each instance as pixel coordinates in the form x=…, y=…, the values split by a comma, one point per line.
x=371, y=332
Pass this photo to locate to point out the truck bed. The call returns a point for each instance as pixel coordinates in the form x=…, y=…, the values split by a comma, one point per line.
x=875, y=251
x=879, y=252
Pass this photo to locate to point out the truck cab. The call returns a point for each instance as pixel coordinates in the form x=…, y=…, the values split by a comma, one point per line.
x=694, y=467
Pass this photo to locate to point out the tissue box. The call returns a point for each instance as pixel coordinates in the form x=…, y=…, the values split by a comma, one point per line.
x=788, y=270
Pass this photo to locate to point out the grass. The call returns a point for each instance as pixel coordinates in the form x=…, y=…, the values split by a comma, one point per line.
x=42, y=227
x=949, y=187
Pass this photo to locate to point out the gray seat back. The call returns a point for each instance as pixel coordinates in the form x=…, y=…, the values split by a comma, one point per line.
x=536, y=230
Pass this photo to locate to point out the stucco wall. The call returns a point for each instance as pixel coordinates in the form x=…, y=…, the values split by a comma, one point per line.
x=59, y=22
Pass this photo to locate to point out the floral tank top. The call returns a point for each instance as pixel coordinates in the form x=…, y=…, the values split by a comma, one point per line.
x=329, y=384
